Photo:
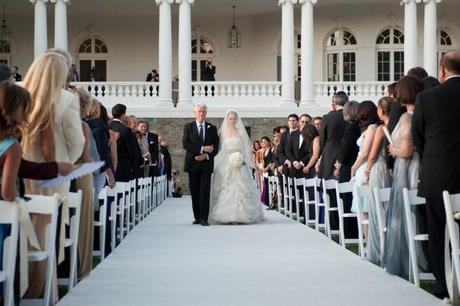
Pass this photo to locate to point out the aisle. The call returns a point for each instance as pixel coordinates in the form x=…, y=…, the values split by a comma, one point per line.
x=168, y=261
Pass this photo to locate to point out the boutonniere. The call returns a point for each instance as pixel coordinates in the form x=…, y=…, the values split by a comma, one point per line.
x=208, y=126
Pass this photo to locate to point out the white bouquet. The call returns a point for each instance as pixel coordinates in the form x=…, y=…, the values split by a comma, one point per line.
x=235, y=160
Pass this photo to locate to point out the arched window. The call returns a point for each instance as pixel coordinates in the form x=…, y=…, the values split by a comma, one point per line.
x=92, y=60
x=444, y=44
x=390, y=55
x=341, y=56
x=202, y=50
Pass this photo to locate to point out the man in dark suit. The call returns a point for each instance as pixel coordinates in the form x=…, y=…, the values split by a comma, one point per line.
x=150, y=140
x=201, y=142
x=435, y=130
x=295, y=153
x=17, y=77
x=153, y=76
x=332, y=131
x=208, y=72
x=125, y=145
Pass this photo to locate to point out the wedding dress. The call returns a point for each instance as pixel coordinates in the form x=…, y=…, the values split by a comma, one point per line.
x=234, y=194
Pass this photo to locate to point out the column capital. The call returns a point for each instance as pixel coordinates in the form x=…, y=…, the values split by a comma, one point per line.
x=159, y=2
x=282, y=2
x=63, y=1
x=185, y=1
x=308, y=1
x=435, y=1
x=35, y=1
x=403, y=2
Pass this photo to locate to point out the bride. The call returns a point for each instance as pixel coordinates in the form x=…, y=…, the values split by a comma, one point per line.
x=234, y=195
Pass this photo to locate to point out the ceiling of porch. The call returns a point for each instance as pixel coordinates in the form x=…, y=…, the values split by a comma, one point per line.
x=205, y=7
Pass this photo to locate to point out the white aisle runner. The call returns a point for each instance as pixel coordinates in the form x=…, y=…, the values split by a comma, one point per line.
x=168, y=261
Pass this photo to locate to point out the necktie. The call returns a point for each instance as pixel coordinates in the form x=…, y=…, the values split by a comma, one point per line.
x=201, y=133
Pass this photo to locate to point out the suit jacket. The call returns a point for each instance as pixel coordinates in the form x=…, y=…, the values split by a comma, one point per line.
x=152, y=140
x=167, y=161
x=332, y=131
x=192, y=144
x=126, y=151
x=435, y=130
x=297, y=151
x=207, y=74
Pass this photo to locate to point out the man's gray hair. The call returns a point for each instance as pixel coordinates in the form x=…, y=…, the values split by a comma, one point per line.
x=201, y=105
x=350, y=111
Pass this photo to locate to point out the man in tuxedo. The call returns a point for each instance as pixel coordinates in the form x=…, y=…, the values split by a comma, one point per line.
x=435, y=131
x=150, y=139
x=332, y=131
x=74, y=73
x=208, y=72
x=201, y=142
x=284, y=164
x=294, y=152
x=17, y=77
x=125, y=145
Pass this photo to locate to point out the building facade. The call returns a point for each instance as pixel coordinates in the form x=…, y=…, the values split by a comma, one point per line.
x=292, y=51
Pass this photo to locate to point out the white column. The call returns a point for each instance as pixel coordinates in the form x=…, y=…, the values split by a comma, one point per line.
x=40, y=27
x=287, y=51
x=307, y=53
x=430, y=41
x=185, y=51
x=410, y=34
x=165, y=51
x=60, y=24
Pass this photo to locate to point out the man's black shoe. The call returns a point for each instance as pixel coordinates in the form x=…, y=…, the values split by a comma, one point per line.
x=196, y=222
x=204, y=223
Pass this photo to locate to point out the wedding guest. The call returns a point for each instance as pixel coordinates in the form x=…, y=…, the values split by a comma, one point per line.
x=436, y=136
x=17, y=77
x=396, y=111
x=86, y=184
x=75, y=76
x=60, y=141
x=150, y=139
x=417, y=72
x=126, y=156
x=331, y=134
x=267, y=156
x=348, y=151
x=145, y=154
x=332, y=131
x=405, y=175
x=377, y=176
x=317, y=121
x=177, y=188
x=6, y=75
x=311, y=145
x=153, y=76
x=164, y=149
x=255, y=172
x=304, y=119
x=390, y=90
x=430, y=82
x=367, y=121
x=113, y=138
x=101, y=136
x=139, y=161
x=208, y=72
x=285, y=164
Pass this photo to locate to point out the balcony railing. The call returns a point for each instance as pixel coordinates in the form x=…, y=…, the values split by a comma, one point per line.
x=256, y=98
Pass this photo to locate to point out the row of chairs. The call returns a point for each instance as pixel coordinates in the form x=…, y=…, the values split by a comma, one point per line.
x=132, y=202
x=316, y=192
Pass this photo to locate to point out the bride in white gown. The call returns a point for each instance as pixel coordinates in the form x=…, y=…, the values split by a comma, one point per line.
x=234, y=194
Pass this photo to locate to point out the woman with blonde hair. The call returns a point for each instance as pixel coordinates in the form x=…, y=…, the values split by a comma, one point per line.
x=53, y=133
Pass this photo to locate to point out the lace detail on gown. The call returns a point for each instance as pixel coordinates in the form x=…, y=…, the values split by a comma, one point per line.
x=234, y=194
